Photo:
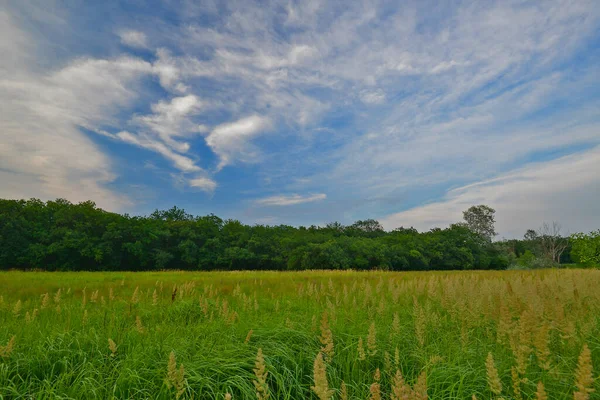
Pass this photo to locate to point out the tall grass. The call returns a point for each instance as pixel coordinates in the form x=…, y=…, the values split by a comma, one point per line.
x=306, y=335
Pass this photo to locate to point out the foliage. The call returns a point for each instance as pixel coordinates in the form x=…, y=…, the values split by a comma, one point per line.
x=586, y=247
x=61, y=236
x=480, y=219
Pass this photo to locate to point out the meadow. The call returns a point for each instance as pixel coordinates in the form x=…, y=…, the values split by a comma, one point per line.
x=300, y=335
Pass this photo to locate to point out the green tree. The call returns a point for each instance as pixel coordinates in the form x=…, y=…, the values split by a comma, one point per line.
x=480, y=219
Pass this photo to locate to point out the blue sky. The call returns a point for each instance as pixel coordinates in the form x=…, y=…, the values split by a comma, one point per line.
x=306, y=112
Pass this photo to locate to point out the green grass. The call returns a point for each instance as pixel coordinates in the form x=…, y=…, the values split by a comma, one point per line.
x=66, y=354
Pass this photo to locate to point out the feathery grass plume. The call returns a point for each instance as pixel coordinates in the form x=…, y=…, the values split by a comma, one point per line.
x=175, y=376
x=540, y=394
x=375, y=388
x=542, y=350
x=17, y=308
x=45, y=300
x=5, y=351
x=260, y=371
x=27, y=318
x=420, y=388
x=57, y=296
x=397, y=358
x=154, y=298
x=400, y=389
x=112, y=346
x=516, y=382
x=94, y=296
x=420, y=323
x=326, y=337
x=84, y=319
x=111, y=295
x=313, y=323
x=361, y=350
x=583, y=375
x=387, y=362
x=372, y=340
x=248, y=336
x=473, y=397
x=492, y=375
x=138, y=324
x=135, y=297
x=321, y=387
x=343, y=391
x=227, y=396
x=396, y=325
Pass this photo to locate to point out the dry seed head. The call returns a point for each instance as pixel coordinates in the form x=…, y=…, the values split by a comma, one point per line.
x=516, y=383
x=321, y=387
x=375, y=388
x=5, y=351
x=248, y=336
x=112, y=347
x=396, y=358
x=400, y=390
x=326, y=337
x=175, y=376
x=111, y=295
x=57, y=296
x=540, y=394
x=155, y=299
x=260, y=371
x=583, y=375
x=84, y=320
x=135, y=297
x=343, y=391
x=396, y=325
x=361, y=350
x=492, y=375
x=17, y=308
x=227, y=396
x=372, y=340
x=542, y=350
x=138, y=324
x=420, y=388
x=45, y=300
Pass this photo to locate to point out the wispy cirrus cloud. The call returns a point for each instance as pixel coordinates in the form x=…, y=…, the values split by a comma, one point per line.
x=290, y=200
x=384, y=106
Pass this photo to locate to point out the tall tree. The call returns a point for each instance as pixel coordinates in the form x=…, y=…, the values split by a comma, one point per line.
x=551, y=242
x=480, y=219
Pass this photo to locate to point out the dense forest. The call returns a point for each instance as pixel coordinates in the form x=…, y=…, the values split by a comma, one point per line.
x=59, y=235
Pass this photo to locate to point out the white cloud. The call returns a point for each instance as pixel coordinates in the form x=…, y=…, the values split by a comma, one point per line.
x=171, y=120
x=231, y=141
x=43, y=153
x=182, y=163
x=133, y=38
x=372, y=96
x=290, y=200
x=203, y=183
x=563, y=190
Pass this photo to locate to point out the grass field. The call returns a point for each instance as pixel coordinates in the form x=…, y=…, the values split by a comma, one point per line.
x=350, y=335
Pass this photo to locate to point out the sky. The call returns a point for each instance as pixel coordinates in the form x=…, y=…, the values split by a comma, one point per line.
x=306, y=112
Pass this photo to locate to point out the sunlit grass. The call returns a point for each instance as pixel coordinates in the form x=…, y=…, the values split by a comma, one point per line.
x=438, y=325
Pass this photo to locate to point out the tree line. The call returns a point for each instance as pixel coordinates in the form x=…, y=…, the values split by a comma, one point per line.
x=60, y=235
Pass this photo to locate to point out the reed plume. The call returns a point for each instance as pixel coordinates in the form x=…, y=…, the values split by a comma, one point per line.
x=321, y=386
x=492, y=375
x=583, y=375
x=260, y=371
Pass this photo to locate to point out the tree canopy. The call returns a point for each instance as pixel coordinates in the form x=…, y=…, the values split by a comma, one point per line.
x=59, y=235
